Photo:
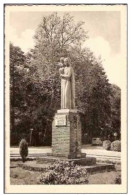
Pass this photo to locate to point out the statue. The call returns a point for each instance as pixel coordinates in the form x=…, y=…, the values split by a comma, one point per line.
x=67, y=84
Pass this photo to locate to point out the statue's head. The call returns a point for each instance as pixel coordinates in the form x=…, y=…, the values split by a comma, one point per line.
x=66, y=61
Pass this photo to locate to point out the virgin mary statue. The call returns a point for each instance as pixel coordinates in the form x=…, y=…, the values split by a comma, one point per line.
x=67, y=86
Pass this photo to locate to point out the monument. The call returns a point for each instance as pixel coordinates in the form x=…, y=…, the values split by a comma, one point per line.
x=66, y=126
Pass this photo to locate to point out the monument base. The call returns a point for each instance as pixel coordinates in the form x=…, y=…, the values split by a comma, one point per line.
x=86, y=161
x=66, y=134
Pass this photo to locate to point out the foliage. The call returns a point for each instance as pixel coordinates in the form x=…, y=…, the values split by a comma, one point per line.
x=107, y=144
x=18, y=94
x=92, y=92
x=115, y=100
x=64, y=173
x=55, y=35
x=35, y=82
x=23, y=147
x=116, y=146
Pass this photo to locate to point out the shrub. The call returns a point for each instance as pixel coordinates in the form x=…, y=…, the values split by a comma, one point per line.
x=118, y=179
x=107, y=144
x=23, y=146
x=116, y=146
x=64, y=173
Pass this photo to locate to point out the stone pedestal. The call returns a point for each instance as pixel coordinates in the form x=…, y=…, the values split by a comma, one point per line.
x=66, y=134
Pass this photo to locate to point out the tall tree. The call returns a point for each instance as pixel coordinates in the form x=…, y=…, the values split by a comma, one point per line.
x=18, y=82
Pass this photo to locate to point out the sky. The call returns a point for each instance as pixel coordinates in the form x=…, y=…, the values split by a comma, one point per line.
x=103, y=28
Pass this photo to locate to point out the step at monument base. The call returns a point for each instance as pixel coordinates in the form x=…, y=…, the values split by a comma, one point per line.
x=79, y=161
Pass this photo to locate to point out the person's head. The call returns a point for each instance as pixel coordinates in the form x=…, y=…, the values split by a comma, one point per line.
x=66, y=62
x=61, y=63
x=62, y=60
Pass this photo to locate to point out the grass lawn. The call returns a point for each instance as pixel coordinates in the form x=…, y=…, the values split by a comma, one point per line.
x=20, y=176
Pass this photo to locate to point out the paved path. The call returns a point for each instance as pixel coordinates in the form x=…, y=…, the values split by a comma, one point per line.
x=93, y=151
x=86, y=149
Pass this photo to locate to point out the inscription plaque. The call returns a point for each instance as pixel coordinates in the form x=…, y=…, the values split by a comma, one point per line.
x=60, y=120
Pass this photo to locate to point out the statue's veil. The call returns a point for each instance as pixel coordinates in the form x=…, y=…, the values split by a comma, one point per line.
x=73, y=88
x=72, y=85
